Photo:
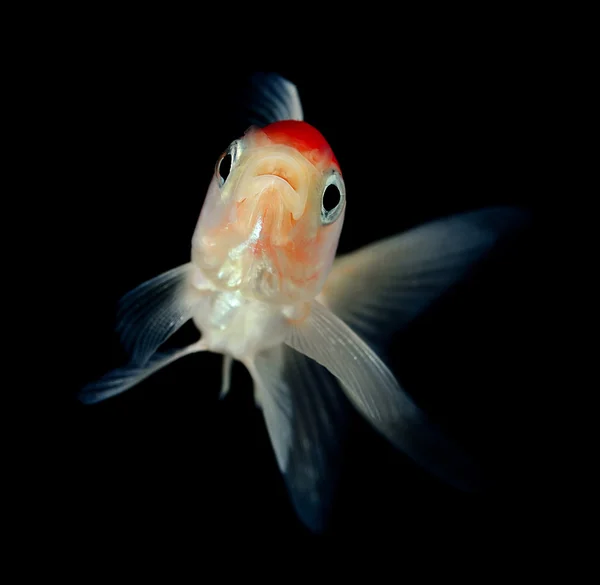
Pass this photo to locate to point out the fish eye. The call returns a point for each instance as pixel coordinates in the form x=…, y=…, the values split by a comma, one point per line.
x=226, y=162
x=332, y=200
x=224, y=167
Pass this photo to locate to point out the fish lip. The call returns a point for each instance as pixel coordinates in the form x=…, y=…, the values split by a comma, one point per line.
x=270, y=183
x=276, y=177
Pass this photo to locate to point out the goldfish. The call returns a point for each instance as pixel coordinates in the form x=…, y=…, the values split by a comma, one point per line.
x=264, y=286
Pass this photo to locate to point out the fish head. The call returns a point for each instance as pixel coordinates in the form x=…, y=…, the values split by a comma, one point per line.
x=272, y=217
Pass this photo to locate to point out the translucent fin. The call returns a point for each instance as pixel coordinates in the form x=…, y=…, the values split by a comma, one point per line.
x=149, y=314
x=226, y=375
x=121, y=379
x=382, y=287
x=306, y=415
x=270, y=98
x=376, y=394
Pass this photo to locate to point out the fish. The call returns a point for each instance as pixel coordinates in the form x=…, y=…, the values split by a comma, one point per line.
x=264, y=286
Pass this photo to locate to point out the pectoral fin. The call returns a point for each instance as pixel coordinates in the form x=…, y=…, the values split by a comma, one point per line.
x=379, y=289
x=150, y=313
x=148, y=316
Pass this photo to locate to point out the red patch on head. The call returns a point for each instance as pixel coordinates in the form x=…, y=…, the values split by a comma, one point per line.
x=302, y=136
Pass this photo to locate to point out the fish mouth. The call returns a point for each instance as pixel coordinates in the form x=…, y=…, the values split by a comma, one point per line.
x=279, y=176
x=277, y=186
x=282, y=168
x=276, y=192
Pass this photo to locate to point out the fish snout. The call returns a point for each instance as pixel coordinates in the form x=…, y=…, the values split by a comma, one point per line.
x=282, y=177
x=276, y=194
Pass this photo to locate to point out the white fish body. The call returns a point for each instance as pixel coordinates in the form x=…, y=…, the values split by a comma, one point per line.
x=262, y=287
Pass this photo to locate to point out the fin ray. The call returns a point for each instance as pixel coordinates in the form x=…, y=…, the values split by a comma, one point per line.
x=150, y=313
x=306, y=415
x=226, y=375
x=379, y=289
x=121, y=379
x=376, y=394
x=270, y=98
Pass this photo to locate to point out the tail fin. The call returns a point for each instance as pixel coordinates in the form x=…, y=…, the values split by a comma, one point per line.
x=305, y=413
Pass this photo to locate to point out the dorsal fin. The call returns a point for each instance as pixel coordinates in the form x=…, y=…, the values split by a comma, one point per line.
x=269, y=98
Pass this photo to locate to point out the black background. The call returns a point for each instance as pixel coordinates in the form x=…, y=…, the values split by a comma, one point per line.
x=132, y=140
